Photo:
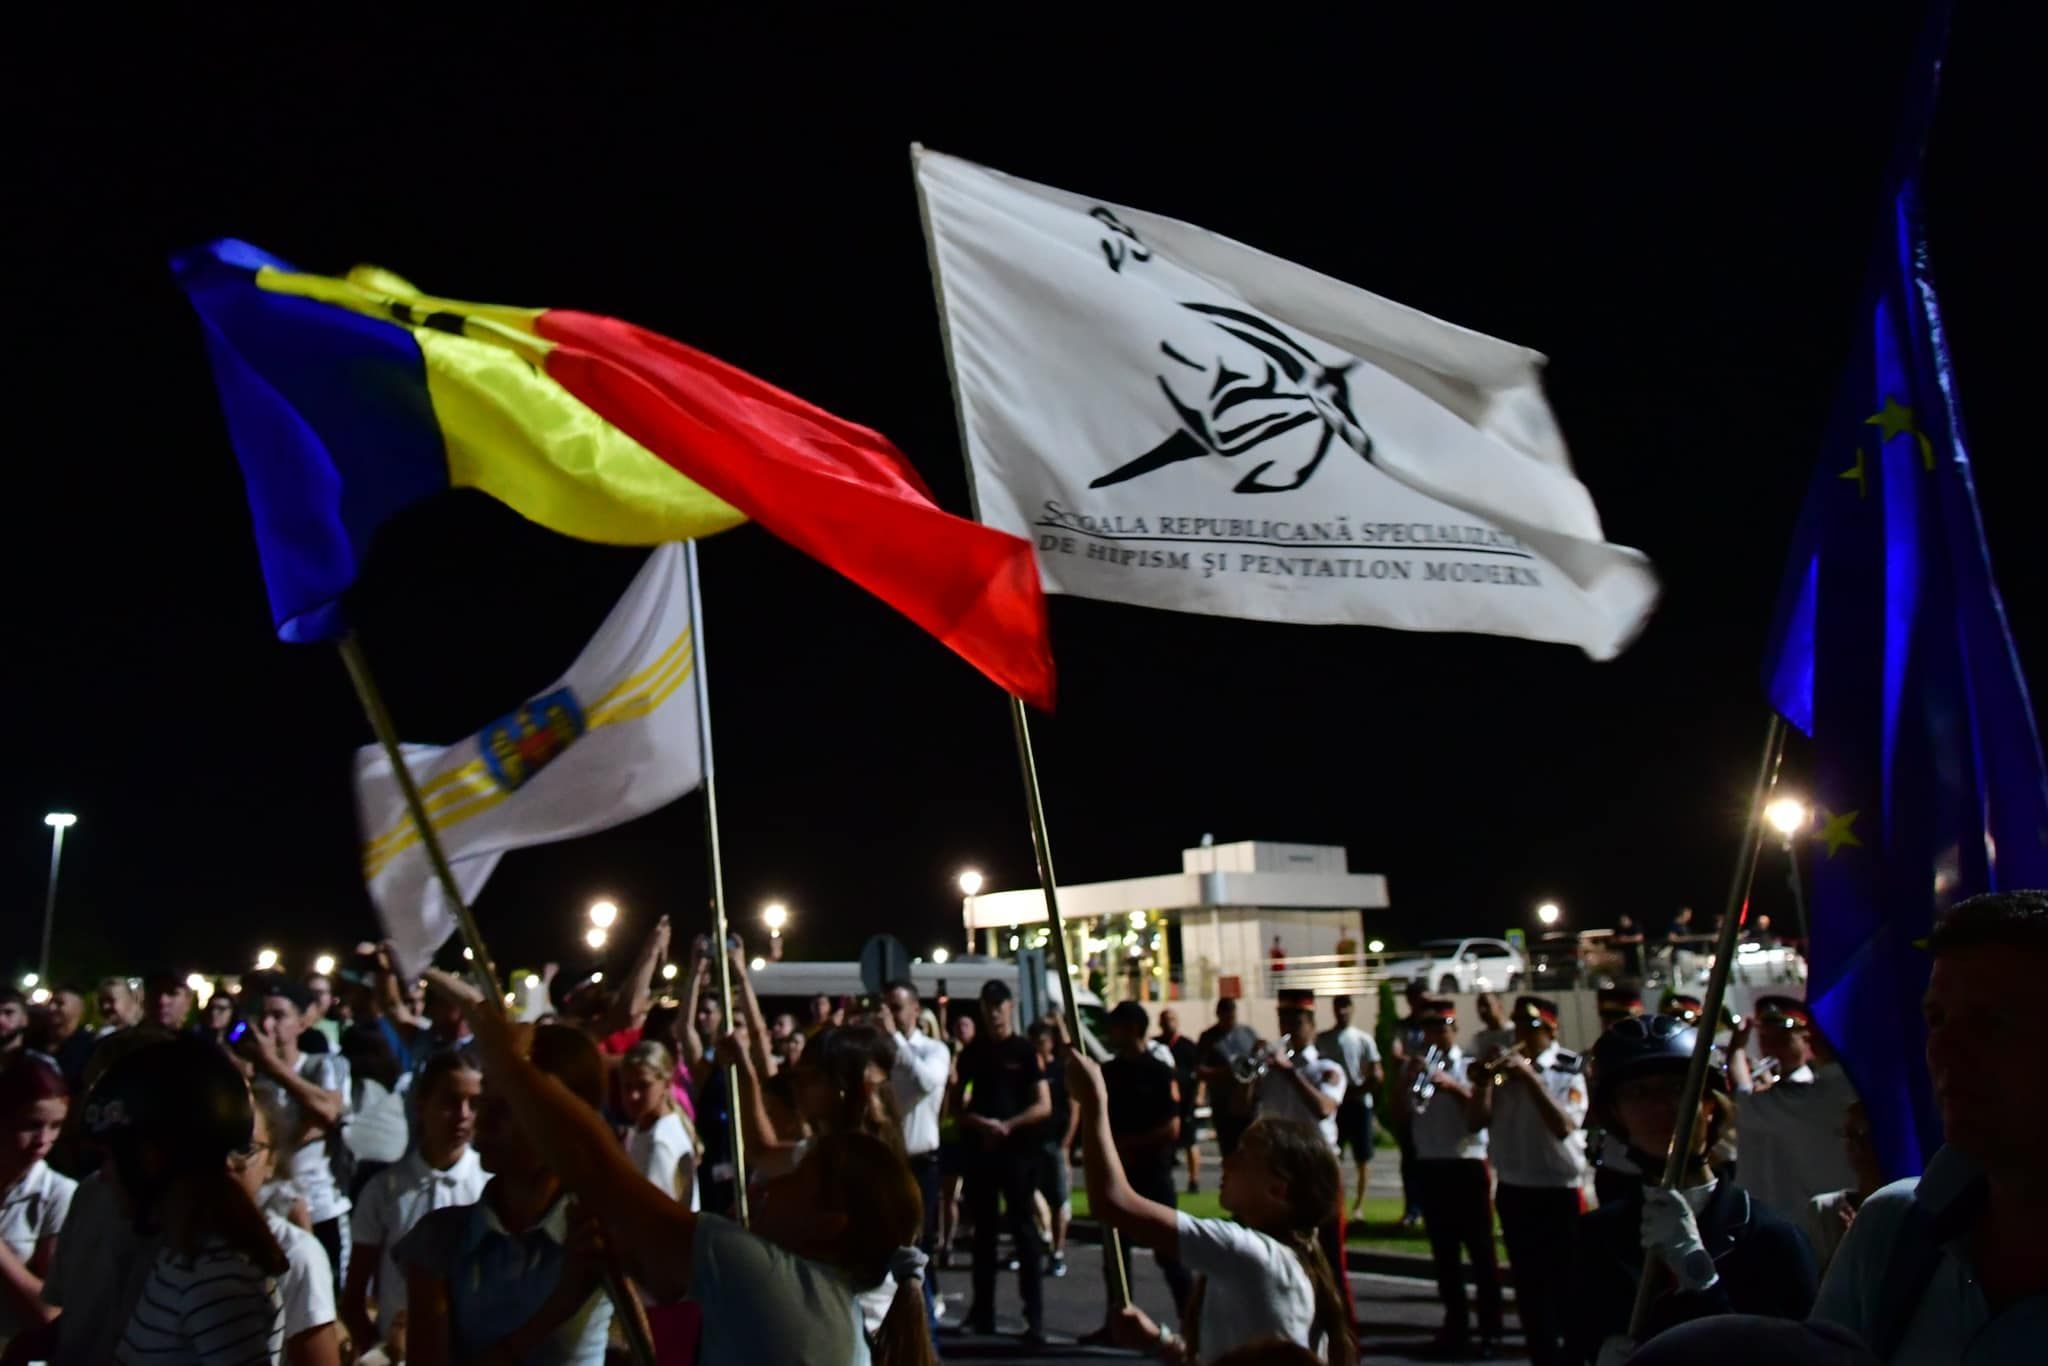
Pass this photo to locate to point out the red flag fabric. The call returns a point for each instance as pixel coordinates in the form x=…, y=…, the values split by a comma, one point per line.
x=833, y=489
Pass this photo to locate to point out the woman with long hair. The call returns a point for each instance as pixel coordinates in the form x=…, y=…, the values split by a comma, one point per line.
x=170, y=1116
x=658, y=1138
x=1263, y=1275
x=34, y=1199
x=843, y=1220
x=841, y=1085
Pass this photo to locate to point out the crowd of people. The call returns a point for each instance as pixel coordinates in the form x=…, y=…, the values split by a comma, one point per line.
x=362, y=1167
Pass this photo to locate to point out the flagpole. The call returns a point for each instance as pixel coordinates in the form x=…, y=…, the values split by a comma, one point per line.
x=624, y=1304
x=718, y=921
x=1739, y=886
x=1020, y=725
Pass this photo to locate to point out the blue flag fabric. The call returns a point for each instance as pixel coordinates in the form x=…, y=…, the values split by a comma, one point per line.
x=1891, y=651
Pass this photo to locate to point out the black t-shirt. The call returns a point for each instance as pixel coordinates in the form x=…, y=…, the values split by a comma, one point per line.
x=1001, y=1077
x=1186, y=1058
x=1054, y=1131
x=1141, y=1098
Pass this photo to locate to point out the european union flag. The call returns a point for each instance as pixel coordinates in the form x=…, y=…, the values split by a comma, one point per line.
x=1891, y=651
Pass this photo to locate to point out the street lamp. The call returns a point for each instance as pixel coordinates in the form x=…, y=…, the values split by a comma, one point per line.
x=323, y=966
x=668, y=972
x=266, y=960
x=1549, y=914
x=939, y=955
x=603, y=913
x=970, y=882
x=594, y=936
x=1376, y=946
x=59, y=822
x=1787, y=815
x=775, y=915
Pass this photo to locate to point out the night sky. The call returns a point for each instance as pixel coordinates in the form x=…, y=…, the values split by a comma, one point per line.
x=1679, y=217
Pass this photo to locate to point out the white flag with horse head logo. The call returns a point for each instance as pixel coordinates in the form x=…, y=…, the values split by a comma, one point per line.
x=614, y=738
x=1178, y=420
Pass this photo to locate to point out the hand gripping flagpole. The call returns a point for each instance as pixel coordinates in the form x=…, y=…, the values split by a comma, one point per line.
x=1020, y=724
x=1676, y=1160
x=625, y=1304
x=718, y=921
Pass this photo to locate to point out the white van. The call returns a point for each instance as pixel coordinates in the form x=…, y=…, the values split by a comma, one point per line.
x=788, y=984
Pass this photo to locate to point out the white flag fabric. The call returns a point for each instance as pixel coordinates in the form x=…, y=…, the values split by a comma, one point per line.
x=1179, y=420
x=612, y=739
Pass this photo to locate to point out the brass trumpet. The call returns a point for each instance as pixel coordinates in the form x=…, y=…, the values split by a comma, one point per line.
x=1255, y=1064
x=1423, y=1088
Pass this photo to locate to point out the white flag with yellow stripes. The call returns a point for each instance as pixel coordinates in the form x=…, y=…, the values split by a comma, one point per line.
x=612, y=739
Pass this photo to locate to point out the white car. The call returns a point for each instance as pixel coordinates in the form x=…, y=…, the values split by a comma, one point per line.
x=1461, y=965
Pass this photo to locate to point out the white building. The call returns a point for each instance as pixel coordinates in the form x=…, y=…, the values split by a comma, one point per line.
x=1207, y=931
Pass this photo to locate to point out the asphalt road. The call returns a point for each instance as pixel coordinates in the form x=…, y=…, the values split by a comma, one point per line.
x=1397, y=1315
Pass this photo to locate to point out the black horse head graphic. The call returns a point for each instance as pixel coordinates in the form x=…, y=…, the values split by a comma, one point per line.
x=1263, y=387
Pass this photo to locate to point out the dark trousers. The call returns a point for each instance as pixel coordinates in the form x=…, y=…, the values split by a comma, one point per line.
x=1229, y=1129
x=1459, y=1212
x=1611, y=1187
x=1002, y=1178
x=1537, y=1223
x=1156, y=1186
x=925, y=1167
x=1411, y=1189
x=328, y=1233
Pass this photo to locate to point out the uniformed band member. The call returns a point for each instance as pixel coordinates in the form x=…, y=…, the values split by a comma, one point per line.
x=1791, y=1131
x=1001, y=1097
x=1532, y=1099
x=1618, y=1003
x=1301, y=1084
x=1408, y=1043
x=1450, y=1177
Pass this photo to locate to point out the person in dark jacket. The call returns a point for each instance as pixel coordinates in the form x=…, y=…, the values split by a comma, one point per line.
x=1718, y=1251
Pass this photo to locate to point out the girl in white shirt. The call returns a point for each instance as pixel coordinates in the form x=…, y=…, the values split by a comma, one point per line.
x=658, y=1138
x=34, y=1200
x=307, y=1286
x=1264, y=1273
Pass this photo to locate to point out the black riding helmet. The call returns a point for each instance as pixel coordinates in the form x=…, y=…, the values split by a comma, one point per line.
x=1646, y=1045
x=182, y=1096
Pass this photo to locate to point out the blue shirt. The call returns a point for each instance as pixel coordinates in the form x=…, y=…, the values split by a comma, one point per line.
x=497, y=1279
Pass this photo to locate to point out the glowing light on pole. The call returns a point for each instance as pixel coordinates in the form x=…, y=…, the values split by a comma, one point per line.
x=1549, y=914
x=266, y=960
x=603, y=914
x=323, y=966
x=1787, y=815
x=595, y=937
x=939, y=955
x=59, y=822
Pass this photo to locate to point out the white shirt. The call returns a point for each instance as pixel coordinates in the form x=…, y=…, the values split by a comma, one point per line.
x=97, y=1274
x=308, y=1167
x=1525, y=1152
x=377, y=1128
x=307, y=1286
x=399, y=1197
x=665, y=1156
x=919, y=1080
x=217, y=1309
x=1440, y=1130
x=1256, y=1286
x=1790, y=1139
x=1280, y=1095
x=1953, y=1323
x=32, y=1209
x=1355, y=1050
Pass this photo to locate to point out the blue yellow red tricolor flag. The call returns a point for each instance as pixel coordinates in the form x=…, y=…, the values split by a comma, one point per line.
x=348, y=398
x=1891, y=651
